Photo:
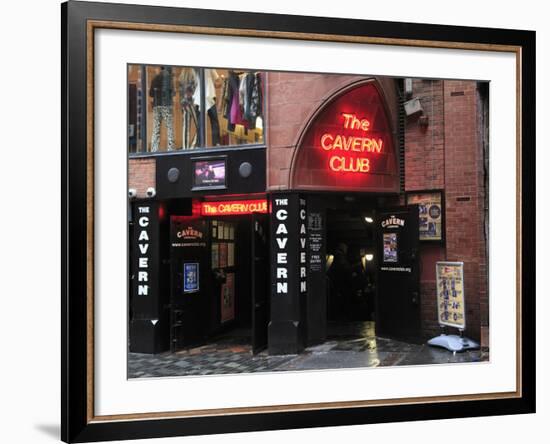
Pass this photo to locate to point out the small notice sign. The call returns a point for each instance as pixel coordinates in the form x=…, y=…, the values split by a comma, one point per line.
x=190, y=277
x=450, y=294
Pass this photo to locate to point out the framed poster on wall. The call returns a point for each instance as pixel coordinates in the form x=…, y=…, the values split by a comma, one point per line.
x=430, y=214
x=222, y=254
x=231, y=254
x=100, y=40
x=215, y=255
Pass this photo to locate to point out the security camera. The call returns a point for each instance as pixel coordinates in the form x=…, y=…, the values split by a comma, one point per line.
x=132, y=193
x=151, y=192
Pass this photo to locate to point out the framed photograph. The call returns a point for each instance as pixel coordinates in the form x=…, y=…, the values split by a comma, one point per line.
x=335, y=125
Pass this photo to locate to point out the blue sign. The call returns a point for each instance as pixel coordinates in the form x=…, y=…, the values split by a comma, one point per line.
x=190, y=277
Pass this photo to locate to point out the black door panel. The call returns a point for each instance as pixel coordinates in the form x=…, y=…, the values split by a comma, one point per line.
x=189, y=307
x=260, y=281
x=398, y=300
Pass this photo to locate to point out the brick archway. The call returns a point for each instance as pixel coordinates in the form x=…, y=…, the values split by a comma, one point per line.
x=348, y=144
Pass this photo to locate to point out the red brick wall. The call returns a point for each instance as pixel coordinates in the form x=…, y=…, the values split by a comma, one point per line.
x=292, y=100
x=141, y=175
x=425, y=170
x=464, y=192
x=425, y=146
x=447, y=155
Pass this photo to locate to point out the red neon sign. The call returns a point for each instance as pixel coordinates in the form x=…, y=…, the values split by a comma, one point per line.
x=233, y=207
x=359, y=143
x=349, y=146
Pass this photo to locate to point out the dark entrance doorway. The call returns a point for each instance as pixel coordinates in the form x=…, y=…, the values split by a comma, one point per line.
x=372, y=268
x=350, y=265
x=398, y=302
x=227, y=307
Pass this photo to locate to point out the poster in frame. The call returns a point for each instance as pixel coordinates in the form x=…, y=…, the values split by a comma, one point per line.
x=451, y=310
x=431, y=210
x=191, y=277
x=83, y=190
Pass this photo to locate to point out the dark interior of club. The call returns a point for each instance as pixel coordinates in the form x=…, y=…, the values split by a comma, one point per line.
x=351, y=277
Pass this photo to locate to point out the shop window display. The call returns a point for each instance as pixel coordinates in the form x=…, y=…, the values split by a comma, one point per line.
x=166, y=108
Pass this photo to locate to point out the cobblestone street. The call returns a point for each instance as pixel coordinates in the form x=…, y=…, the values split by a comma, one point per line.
x=349, y=346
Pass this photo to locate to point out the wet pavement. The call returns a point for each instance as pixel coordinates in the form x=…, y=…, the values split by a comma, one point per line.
x=351, y=345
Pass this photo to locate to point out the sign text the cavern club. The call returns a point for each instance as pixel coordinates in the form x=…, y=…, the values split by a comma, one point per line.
x=340, y=145
x=233, y=207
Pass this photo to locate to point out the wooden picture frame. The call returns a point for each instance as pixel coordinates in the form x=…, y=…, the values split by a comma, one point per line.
x=80, y=20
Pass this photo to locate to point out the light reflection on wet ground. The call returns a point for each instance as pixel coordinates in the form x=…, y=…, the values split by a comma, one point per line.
x=348, y=346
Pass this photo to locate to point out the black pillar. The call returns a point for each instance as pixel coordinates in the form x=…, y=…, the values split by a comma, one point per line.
x=288, y=274
x=316, y=325
x=148, y=324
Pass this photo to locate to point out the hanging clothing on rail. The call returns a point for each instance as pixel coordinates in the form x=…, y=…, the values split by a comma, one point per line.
x=211, y=77
x=242, y=99
x=253, y=101
x=190, y=105
x=231, y=106
x=161, y=91
x=243, y=93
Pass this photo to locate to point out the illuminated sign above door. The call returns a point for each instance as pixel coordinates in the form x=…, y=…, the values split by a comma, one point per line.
x=348, y=146
x=340, y=144
x=233, y=207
